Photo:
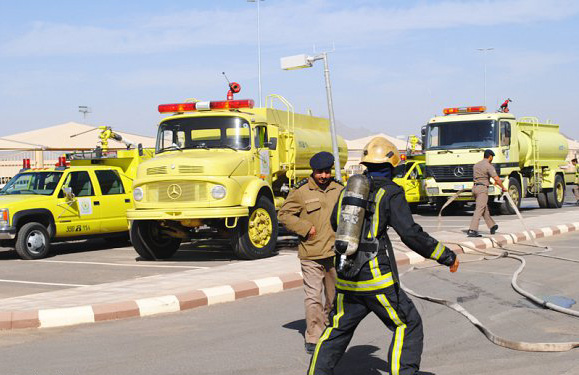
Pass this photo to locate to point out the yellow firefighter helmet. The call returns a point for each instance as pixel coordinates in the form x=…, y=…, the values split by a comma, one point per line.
x=380, y=150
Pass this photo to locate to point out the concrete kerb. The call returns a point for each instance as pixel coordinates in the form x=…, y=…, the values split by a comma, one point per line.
x=60, y=317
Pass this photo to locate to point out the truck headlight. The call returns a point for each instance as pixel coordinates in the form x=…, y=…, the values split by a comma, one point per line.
x=218, y=192
x=432, y=191
x=138, y=194
x=4, y=217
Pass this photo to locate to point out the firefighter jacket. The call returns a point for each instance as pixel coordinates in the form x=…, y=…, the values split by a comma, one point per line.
x=307, y=205
x=391, y=210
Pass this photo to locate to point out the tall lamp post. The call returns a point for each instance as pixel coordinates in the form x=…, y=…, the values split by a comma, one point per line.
x=484, y=51
x=304, y=61
x=258, y=50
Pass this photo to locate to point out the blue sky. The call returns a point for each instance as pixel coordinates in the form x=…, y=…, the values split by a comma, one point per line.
x=395, y=64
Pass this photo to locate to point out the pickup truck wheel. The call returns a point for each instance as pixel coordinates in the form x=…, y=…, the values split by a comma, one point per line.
x=32, y=241
x=516, y=194
x=150, y=243
x=556, y=196
x=256, y=235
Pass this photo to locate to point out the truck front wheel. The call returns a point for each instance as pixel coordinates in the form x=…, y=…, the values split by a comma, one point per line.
x=33, y=241
x=255, y=236
x=150, y=242
x=556, y=196
x=516, y=194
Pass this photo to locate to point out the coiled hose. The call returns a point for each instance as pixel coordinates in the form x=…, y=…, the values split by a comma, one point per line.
x=494, y=338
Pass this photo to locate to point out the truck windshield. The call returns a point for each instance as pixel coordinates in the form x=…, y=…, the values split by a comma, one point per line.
x=204, y=133
x=462, y=134
x=39, y=183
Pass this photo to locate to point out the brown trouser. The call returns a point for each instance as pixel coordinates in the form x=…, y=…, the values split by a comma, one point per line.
x=319, y=281
x=481, y=195
x=576, y=191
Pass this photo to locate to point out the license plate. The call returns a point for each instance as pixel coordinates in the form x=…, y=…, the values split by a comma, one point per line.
x=458, y=187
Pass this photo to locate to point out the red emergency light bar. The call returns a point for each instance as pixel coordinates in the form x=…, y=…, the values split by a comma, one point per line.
x=478, y=109
x=205, y=106
x=25, y=163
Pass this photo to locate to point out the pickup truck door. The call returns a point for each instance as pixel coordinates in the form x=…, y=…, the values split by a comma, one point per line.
x=81, y=215
x=421, y=169
x=114, y=201
x=411, y=183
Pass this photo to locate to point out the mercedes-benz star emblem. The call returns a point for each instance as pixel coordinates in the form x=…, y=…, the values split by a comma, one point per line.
x=459, y=171
x=174, y=191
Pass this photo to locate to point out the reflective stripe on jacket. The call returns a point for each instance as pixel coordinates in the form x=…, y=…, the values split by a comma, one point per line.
x=391, y=210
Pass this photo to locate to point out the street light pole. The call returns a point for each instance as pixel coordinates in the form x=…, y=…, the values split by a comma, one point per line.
x=332, y=120
x=303, y=61
x=484, y=51
x=258, y=51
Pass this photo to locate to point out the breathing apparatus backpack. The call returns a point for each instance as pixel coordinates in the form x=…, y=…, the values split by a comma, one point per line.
x=355, y=212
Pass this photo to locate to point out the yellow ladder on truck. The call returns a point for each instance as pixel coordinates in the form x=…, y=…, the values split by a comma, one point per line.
x=289, y=135
x=537, y=170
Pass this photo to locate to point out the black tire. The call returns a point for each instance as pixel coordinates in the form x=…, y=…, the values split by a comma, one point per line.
x=261, y=225
x=32, y=241
x=149, y=241
x=556, y=196
x=515, y=191
x=542, y=199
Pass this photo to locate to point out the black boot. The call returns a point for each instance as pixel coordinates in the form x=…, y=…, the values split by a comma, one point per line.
x=494, y=228
x=472, y=233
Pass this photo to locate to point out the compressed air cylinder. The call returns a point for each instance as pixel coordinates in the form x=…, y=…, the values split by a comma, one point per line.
x=352, y=212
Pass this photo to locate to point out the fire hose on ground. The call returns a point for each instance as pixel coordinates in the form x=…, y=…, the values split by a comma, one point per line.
x=494, y=338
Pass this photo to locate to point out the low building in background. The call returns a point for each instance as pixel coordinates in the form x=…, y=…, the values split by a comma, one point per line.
x=44, y=146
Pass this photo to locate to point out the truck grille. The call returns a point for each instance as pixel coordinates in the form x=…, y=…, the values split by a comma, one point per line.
x=449, y=173
x=156, y=170
x=177, y=191
x=190, y=169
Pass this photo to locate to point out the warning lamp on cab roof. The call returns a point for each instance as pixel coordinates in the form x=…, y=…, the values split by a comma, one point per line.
x=205, y=106
x=477, y=109
x=25, y=163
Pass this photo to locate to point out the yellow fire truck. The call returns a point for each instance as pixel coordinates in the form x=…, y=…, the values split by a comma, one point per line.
x=222, y=169
x=528, y=156
x=85, y=195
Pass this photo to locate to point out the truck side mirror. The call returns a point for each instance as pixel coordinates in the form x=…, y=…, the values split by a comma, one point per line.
x=68, y=193
x=423, y=136
x=140, y=148
x=271, y=144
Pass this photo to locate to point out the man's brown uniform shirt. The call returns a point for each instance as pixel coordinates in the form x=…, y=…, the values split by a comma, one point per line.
x=309, y=206
x=482, y=171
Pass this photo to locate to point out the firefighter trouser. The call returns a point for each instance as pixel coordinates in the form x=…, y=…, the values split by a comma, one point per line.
x=397, y=312
x=481, y=194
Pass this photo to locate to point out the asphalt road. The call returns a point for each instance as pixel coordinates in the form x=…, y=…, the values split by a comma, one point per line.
x=263, y=335
x=91, y=262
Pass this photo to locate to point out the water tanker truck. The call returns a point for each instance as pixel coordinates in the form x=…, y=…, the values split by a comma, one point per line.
x=528, y=156
x=221, y=170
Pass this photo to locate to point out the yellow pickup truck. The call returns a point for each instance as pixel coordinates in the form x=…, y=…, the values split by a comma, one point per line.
x=84, y=197
x=410, y=176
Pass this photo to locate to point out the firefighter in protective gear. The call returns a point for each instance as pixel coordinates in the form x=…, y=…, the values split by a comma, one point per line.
x=371, y=283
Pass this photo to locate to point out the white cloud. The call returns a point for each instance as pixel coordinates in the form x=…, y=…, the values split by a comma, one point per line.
x=284, y=23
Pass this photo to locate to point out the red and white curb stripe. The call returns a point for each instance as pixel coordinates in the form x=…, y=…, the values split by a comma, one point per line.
x=148, y=306
x=210, y=296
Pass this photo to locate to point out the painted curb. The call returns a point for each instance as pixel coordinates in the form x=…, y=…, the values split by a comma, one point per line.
x=69, y=316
